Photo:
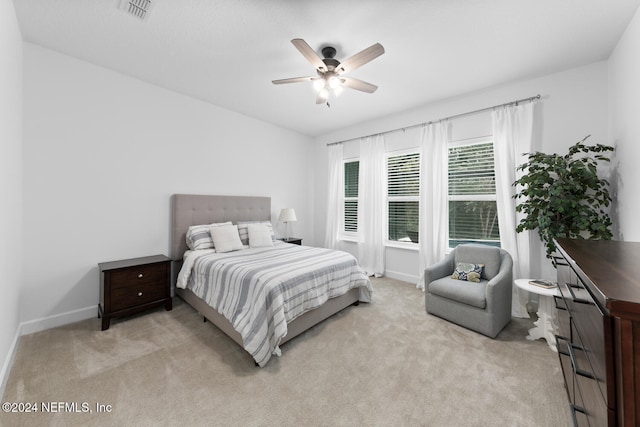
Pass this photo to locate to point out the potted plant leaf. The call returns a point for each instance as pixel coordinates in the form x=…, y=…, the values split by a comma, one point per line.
x=563, y=195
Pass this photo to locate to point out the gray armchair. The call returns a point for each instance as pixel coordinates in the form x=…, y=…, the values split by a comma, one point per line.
x=484, y=307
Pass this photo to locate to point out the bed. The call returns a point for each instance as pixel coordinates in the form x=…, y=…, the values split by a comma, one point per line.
x=339, y=284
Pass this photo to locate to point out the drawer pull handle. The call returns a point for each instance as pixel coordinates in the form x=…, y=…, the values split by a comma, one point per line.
x=558, y=305
x=139, y=294
x=140, y=276
x=576, y=299
x=574, y=362
x=556, y=261
x=559, y=348
x=575, y=409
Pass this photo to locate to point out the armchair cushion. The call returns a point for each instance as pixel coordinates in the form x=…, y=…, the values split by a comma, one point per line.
x=470, y=293
x=480, y=254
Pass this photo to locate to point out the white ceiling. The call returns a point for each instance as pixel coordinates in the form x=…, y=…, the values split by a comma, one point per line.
x=226, y=52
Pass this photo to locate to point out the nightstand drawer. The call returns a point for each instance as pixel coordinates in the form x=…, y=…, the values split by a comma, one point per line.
x=136, y=294
x=292, y=240
x=138, y=276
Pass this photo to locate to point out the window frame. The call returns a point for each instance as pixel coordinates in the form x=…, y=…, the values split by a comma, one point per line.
x=472, y=197
x=344, y=234
x=389, y=198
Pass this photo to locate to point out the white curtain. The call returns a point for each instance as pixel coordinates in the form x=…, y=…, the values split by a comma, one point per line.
x=434, y=197
x=513, y=133
x=335, y=199
x=372, y=192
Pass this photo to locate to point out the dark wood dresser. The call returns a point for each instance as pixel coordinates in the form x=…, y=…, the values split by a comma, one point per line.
x=599, y=330
x=132, y=285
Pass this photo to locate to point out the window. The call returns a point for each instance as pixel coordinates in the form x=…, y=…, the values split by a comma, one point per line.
x=351, y=171
x=473, y=215
x=403, y=192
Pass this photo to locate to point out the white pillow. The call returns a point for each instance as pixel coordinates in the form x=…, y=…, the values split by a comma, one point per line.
x=243, y=230
x=198, y=236
x=259, y=235
x=226, y=238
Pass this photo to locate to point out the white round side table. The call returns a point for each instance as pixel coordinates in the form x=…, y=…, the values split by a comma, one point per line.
x=545, y=327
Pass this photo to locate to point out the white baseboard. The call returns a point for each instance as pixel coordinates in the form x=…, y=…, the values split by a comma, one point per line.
x=56, y=320
x=401, y=276
x=37, y=325
x=8, y=363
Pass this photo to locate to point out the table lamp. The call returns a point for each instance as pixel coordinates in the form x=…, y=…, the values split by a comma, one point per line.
x=287, y=215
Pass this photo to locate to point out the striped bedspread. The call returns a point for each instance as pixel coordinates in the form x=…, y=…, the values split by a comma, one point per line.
x=259, y=290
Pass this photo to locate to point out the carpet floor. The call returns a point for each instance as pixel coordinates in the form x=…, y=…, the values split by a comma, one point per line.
x=379, y=364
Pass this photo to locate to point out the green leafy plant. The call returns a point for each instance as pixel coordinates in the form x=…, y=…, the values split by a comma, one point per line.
x=563, y=196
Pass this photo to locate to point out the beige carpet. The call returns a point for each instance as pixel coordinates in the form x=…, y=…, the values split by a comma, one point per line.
x=384, y=363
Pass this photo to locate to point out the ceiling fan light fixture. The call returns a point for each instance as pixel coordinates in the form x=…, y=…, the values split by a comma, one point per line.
x=334, y=82
x=324, y=92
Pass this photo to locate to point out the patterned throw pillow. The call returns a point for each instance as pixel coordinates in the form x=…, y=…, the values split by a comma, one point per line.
x=468, y=271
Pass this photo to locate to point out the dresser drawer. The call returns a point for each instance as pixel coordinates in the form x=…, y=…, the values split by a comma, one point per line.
x=579, y=359
x=587, y=394
x=579, y=416
x=563, y=317
x=138, y=276
x=131, y=296
x=562, y=345
x=564, y=272
x=575, y=294
x=590, y=327
x=578, y=411
x=593, y=402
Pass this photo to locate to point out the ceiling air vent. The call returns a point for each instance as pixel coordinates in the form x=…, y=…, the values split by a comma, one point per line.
x=138, y=8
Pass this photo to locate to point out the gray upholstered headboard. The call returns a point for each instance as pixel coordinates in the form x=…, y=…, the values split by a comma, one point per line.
x=193, y=209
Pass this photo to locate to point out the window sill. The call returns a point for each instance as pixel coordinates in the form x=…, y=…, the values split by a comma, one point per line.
x=387, y=244
x=348, y=239
x=401, y=245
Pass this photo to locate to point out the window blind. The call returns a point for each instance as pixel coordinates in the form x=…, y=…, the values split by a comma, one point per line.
x=403, y=190
x=351, y=171
x=471, y=169
x=473, y=213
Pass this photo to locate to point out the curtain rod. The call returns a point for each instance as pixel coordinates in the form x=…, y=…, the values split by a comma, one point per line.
x=516, y=102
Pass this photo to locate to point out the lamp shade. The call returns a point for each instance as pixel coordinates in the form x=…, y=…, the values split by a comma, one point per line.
x=287, y=215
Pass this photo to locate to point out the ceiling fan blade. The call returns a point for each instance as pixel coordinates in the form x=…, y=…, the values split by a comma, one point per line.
x=293, y=80
x=360, y=58
x=310, y=54
x=356, y=84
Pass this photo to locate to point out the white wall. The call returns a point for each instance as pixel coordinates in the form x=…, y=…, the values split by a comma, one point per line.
x=624, y=92
x=102, y=155
x=10, y=184
x=103, y=152
x=573, y=105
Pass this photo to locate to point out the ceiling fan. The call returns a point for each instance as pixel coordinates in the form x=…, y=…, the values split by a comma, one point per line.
x=330, y=70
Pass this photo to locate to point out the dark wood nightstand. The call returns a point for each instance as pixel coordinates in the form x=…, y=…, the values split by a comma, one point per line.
x=132, y=285
x=293, y=240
